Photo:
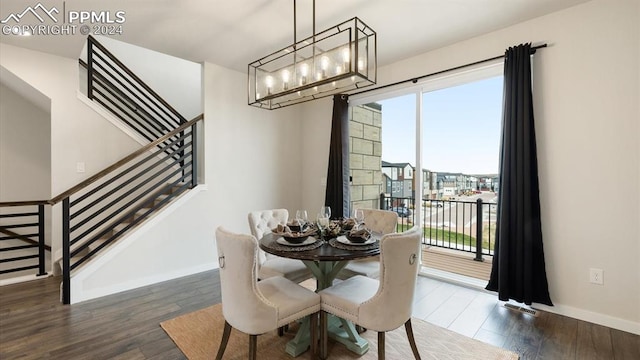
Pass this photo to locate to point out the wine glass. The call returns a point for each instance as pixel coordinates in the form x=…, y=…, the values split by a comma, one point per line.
x=323, y=222
x=301, y=215
x=358, y=215
x=326, y=211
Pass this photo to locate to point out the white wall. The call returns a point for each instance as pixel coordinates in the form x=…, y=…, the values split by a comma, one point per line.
x=25, y=145
x=252, y=162
x=586, y=86
x=75, y=127
x=252, y=156
x=176, y=80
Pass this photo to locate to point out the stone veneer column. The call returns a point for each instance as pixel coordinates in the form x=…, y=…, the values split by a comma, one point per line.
x=365, y=155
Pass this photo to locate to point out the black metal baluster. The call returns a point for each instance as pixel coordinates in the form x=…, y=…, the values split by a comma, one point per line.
x=194, y=156
x=41, y=261
x=479, y=231
x=66, y=271
x=90, y=69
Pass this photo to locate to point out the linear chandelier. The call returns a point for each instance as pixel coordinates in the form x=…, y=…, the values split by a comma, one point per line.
x=336, y=60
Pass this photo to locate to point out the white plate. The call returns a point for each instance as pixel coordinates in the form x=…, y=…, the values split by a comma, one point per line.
x=310, y=240
x=343, y=239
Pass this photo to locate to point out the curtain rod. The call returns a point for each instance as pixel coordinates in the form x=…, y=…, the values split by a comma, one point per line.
x=415, y=79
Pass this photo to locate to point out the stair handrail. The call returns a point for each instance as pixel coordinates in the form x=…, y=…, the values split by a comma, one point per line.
x=108, y=170
x=112, y=57
x=24, y=203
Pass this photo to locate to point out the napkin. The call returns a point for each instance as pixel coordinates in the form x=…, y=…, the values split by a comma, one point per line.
x=285, y=230
x=350, y=222
x=361, y=232
x=281, y=229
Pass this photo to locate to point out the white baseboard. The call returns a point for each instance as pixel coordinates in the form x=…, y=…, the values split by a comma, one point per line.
x=20, y=279
x=572, y=312
x=592, y=317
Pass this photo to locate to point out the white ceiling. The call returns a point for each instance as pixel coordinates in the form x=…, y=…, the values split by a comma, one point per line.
x=235, y=33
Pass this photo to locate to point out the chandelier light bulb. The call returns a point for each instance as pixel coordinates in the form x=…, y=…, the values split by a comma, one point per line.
x=304, y=71
x=360, y=64
x=324, y=65
x=346, y=58
x=346, y=55
x=269, y=82
x=324, y=62
x=286, y=75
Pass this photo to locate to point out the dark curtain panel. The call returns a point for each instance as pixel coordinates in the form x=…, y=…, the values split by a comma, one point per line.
x=518, y=270
x=337, y=193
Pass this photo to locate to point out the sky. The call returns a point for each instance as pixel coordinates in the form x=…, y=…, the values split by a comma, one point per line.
x=461, y=128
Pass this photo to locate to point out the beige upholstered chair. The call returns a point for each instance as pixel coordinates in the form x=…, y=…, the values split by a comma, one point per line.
x=382, y=305
x=261, y=223
x=379, y=221
x=257, y=307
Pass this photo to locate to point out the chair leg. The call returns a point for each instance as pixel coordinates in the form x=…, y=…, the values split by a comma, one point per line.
x=381, y=345
x=412, y=340
x=314, y=335
x=224, y=340
x=360, y=329
x=323, y=335
x=253, y=344
x=283, y=329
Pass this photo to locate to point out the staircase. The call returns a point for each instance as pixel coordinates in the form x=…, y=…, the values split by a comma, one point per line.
x=84, y=250
x=109, y=205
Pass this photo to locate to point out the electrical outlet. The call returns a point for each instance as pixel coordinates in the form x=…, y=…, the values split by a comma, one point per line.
x=596, y=276
x=79, y=167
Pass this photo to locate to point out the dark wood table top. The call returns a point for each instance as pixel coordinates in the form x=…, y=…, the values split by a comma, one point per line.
x=326, y=252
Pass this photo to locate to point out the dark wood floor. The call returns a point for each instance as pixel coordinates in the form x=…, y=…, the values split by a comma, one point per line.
x=34, y=325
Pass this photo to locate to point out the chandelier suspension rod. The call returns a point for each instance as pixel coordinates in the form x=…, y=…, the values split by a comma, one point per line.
x=295, y=29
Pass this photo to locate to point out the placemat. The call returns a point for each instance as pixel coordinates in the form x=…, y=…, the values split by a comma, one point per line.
x=275, y=246
x=337, y=244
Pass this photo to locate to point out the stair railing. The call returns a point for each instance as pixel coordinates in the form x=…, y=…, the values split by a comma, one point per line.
x=118, y=89
x=105, y=206
x=22, y=236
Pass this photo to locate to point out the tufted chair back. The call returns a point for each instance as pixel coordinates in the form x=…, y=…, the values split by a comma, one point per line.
x=399, y=261
x=243, y=306
x=261, y=222
x=380, y=221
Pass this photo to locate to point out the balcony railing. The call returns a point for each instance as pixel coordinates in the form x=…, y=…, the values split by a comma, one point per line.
x=454, y=224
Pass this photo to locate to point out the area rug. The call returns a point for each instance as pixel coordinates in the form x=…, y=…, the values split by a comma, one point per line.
x=198, y=334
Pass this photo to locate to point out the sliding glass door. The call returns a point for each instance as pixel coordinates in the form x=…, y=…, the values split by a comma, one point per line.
x=430, y=153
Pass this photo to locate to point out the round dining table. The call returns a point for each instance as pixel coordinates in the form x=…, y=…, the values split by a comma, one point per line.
x=325, y=258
